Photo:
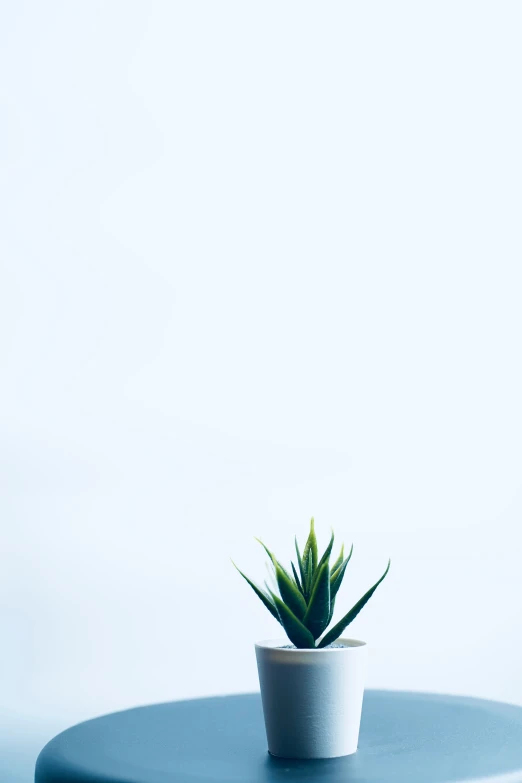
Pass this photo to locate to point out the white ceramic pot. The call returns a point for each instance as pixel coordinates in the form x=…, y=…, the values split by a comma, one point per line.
x=312, y=699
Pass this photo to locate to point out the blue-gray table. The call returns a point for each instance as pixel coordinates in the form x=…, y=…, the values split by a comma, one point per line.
x=405, y=738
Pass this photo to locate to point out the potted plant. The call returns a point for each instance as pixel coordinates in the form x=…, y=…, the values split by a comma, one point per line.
x=311, y=689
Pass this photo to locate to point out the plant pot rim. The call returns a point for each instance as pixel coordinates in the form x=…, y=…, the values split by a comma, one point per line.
x=280, y=646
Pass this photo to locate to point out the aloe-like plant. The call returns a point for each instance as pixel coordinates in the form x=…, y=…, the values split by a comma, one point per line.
x=306, y=600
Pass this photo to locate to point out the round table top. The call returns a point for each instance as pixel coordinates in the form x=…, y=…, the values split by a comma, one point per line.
x=405, y=737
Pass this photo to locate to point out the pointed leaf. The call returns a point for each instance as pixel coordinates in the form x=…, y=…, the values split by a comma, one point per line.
x=325, y=558
x=271, y=575
x=269, y=553
x=337, y=630
x=296, y=579
x=301, y=566
x=337, y=576
x=273, y=559
x=335, y=571
x=308, y=574
x=289, y=593
x=339, y=560
x=260, y=594
x=311, y=546
x=318, y=612
x=295, y=630
x=332, y=607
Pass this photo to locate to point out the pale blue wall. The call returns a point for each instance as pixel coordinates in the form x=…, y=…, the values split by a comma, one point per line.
x=258, y=261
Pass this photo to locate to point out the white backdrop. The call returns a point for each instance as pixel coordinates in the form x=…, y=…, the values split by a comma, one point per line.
x=260, y=260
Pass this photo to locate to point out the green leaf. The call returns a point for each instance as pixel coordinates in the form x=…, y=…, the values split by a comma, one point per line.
x=308, y=574
x=339, y=560
x=337, y=630
x=273, y=559
x=260, y=594
x=301, y=566
x=271, y=575
x=325, y=558
x=290, y=593
x=318, y=612
x=332, y=607
x=296, y=580
x=269, y=553
x=338, y=575
x=311, y=546
x=335, y=571
x=294, y=628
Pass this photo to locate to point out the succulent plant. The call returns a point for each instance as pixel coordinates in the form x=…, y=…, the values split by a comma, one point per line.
x=306, y=600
